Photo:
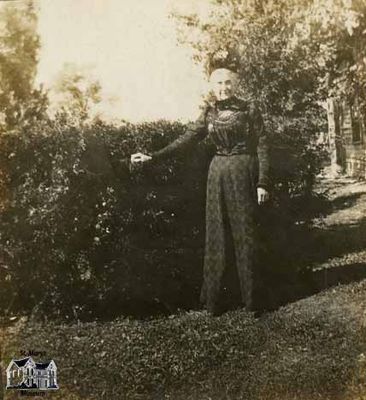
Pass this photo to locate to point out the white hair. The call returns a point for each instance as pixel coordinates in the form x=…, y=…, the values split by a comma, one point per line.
x=219, y=71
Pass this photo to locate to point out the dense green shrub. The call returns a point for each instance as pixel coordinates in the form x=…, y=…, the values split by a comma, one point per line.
x=84, y=236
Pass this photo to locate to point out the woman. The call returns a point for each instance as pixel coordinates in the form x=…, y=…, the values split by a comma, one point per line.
x=237, y=183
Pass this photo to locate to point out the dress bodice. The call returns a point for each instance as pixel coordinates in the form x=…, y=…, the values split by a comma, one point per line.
x=228, y=124
x=235, y=127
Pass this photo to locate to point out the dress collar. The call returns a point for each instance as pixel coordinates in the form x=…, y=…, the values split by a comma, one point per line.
x=231, y=102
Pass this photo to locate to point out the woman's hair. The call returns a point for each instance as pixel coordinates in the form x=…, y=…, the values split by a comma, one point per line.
x=223, y=58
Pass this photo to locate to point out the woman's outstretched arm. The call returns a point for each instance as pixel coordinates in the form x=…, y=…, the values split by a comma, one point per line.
x=195, y=132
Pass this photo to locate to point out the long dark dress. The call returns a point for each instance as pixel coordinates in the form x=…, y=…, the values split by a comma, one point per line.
x=238, y=168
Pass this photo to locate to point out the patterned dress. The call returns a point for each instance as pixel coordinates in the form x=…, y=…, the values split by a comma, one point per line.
x=239, y=166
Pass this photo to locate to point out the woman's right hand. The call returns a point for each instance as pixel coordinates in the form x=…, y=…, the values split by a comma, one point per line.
x=139, y=158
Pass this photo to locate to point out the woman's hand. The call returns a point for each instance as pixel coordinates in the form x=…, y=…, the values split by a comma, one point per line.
x=263, y=195
x=139, y=158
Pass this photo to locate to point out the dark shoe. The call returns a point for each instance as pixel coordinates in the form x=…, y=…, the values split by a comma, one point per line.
x=258, y=313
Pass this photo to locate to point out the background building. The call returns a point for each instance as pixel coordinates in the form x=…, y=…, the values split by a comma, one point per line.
x=346, y=137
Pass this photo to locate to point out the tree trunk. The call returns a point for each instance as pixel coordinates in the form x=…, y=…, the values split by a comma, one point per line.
x=334, y=135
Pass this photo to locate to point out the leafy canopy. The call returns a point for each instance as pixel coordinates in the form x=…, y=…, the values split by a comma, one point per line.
x=293, y=53
x=21, y=104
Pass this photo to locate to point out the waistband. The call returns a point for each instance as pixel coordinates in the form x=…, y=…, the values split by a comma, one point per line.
x=240, y=148
x=228, y=153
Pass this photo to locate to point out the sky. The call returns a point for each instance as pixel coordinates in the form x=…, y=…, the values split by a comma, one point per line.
x=130, y=46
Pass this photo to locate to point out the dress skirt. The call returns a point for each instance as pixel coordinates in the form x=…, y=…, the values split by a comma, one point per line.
x=231, y=230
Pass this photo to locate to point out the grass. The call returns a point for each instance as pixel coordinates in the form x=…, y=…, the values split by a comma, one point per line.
x=312, y=349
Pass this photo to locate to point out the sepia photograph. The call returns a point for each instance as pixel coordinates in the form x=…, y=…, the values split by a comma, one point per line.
x=183, y=199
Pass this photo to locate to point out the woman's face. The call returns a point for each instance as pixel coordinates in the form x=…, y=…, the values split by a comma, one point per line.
x=223, y=83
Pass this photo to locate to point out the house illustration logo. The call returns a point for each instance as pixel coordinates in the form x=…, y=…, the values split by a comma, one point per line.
x=26, y=374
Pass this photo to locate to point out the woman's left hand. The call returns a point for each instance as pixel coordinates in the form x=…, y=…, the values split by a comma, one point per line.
x=263, y=195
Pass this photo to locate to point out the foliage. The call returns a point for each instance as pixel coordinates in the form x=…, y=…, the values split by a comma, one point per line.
x=279, y=75
x=76, y=93
x=294, y=55
x=272, y=74
x=334, y=31
x=82, y=233
x=21, y=104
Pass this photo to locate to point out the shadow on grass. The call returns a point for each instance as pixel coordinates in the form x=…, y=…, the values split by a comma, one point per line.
x=288, y=268
x=343, y=202
x=285, y=288
x=284, y=273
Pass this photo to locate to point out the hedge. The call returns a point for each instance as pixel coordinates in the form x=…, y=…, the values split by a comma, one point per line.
x=86, y=236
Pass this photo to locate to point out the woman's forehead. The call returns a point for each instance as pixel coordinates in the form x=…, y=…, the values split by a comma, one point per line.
x=222, y=74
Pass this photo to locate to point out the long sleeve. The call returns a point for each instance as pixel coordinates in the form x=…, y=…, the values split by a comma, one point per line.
x=195, y=132
x=262, y=148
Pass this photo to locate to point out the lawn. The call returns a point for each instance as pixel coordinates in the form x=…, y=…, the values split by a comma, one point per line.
x=314, y=348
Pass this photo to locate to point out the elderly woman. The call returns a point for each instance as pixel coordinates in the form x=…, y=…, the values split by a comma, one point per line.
x=237, y=184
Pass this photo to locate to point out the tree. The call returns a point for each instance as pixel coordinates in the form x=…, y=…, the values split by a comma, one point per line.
x=339, y=29
x=295, y=55
x=277, y=71
x=289, y=49
x=76, y=93
x=21, y=103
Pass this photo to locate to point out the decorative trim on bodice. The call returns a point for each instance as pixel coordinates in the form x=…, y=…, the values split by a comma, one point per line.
x=228, y=125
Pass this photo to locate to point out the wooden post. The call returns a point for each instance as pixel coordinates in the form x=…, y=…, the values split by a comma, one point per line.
x=335, y=144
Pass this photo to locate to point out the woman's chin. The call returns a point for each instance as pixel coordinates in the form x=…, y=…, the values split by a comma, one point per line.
x=222, y=98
